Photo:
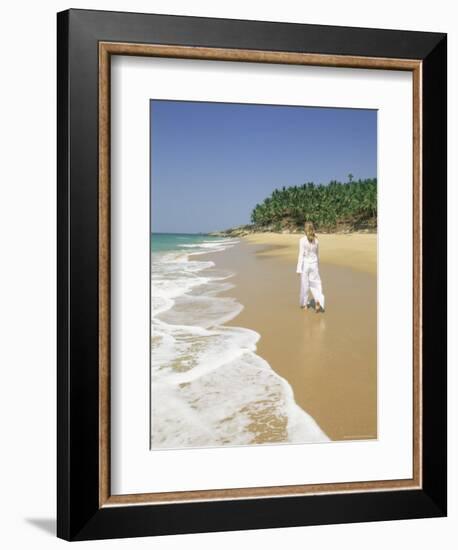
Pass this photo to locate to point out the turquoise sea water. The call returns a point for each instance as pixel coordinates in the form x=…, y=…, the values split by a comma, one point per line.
x=208, y=385
x=167, y=242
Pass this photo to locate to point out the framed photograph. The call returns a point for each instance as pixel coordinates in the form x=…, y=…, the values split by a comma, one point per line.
x=251, y=274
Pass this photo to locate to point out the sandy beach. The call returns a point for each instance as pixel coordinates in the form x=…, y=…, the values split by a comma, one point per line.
x=357, y=251
x=329, y=359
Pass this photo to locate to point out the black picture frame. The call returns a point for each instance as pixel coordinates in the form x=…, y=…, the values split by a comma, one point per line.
x=79, y=514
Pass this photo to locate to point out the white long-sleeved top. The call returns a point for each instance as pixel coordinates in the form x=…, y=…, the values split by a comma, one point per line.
x=307, y=252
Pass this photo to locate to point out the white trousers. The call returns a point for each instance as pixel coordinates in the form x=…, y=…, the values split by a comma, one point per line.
x=310, y=280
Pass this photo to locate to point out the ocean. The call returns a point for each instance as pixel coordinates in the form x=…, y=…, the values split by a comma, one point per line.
x=208, y=386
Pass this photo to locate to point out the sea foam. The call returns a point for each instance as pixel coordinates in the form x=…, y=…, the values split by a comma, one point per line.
x=208, y=385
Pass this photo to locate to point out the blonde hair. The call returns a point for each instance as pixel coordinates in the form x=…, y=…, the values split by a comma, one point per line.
x=309, y=230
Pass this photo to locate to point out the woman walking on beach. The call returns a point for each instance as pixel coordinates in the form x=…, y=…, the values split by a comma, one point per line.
x=308, y=267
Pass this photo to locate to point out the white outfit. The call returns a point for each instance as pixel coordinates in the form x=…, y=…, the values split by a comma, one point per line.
x=307, y=266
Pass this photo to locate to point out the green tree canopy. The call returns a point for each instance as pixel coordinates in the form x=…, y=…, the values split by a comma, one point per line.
x=352, y=205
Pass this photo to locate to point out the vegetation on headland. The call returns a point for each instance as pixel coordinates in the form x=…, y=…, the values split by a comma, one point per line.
x=336, y=207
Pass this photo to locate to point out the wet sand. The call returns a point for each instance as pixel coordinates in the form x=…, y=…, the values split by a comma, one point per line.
x=329, y=359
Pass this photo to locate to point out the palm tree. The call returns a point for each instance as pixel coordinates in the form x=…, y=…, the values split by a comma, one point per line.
x=351, y=204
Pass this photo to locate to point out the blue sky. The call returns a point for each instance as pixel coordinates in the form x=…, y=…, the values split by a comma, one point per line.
x=211, y=163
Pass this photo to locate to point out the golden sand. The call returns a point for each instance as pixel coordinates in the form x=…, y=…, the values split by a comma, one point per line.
x=354, y=250
x=330, y=358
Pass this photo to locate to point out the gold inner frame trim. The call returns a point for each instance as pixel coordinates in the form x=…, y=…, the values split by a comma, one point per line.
x=106, y=50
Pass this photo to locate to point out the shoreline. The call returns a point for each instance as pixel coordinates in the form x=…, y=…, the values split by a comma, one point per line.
x=328, y=359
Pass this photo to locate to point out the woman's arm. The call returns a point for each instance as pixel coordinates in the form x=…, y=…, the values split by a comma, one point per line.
x=300, y=257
